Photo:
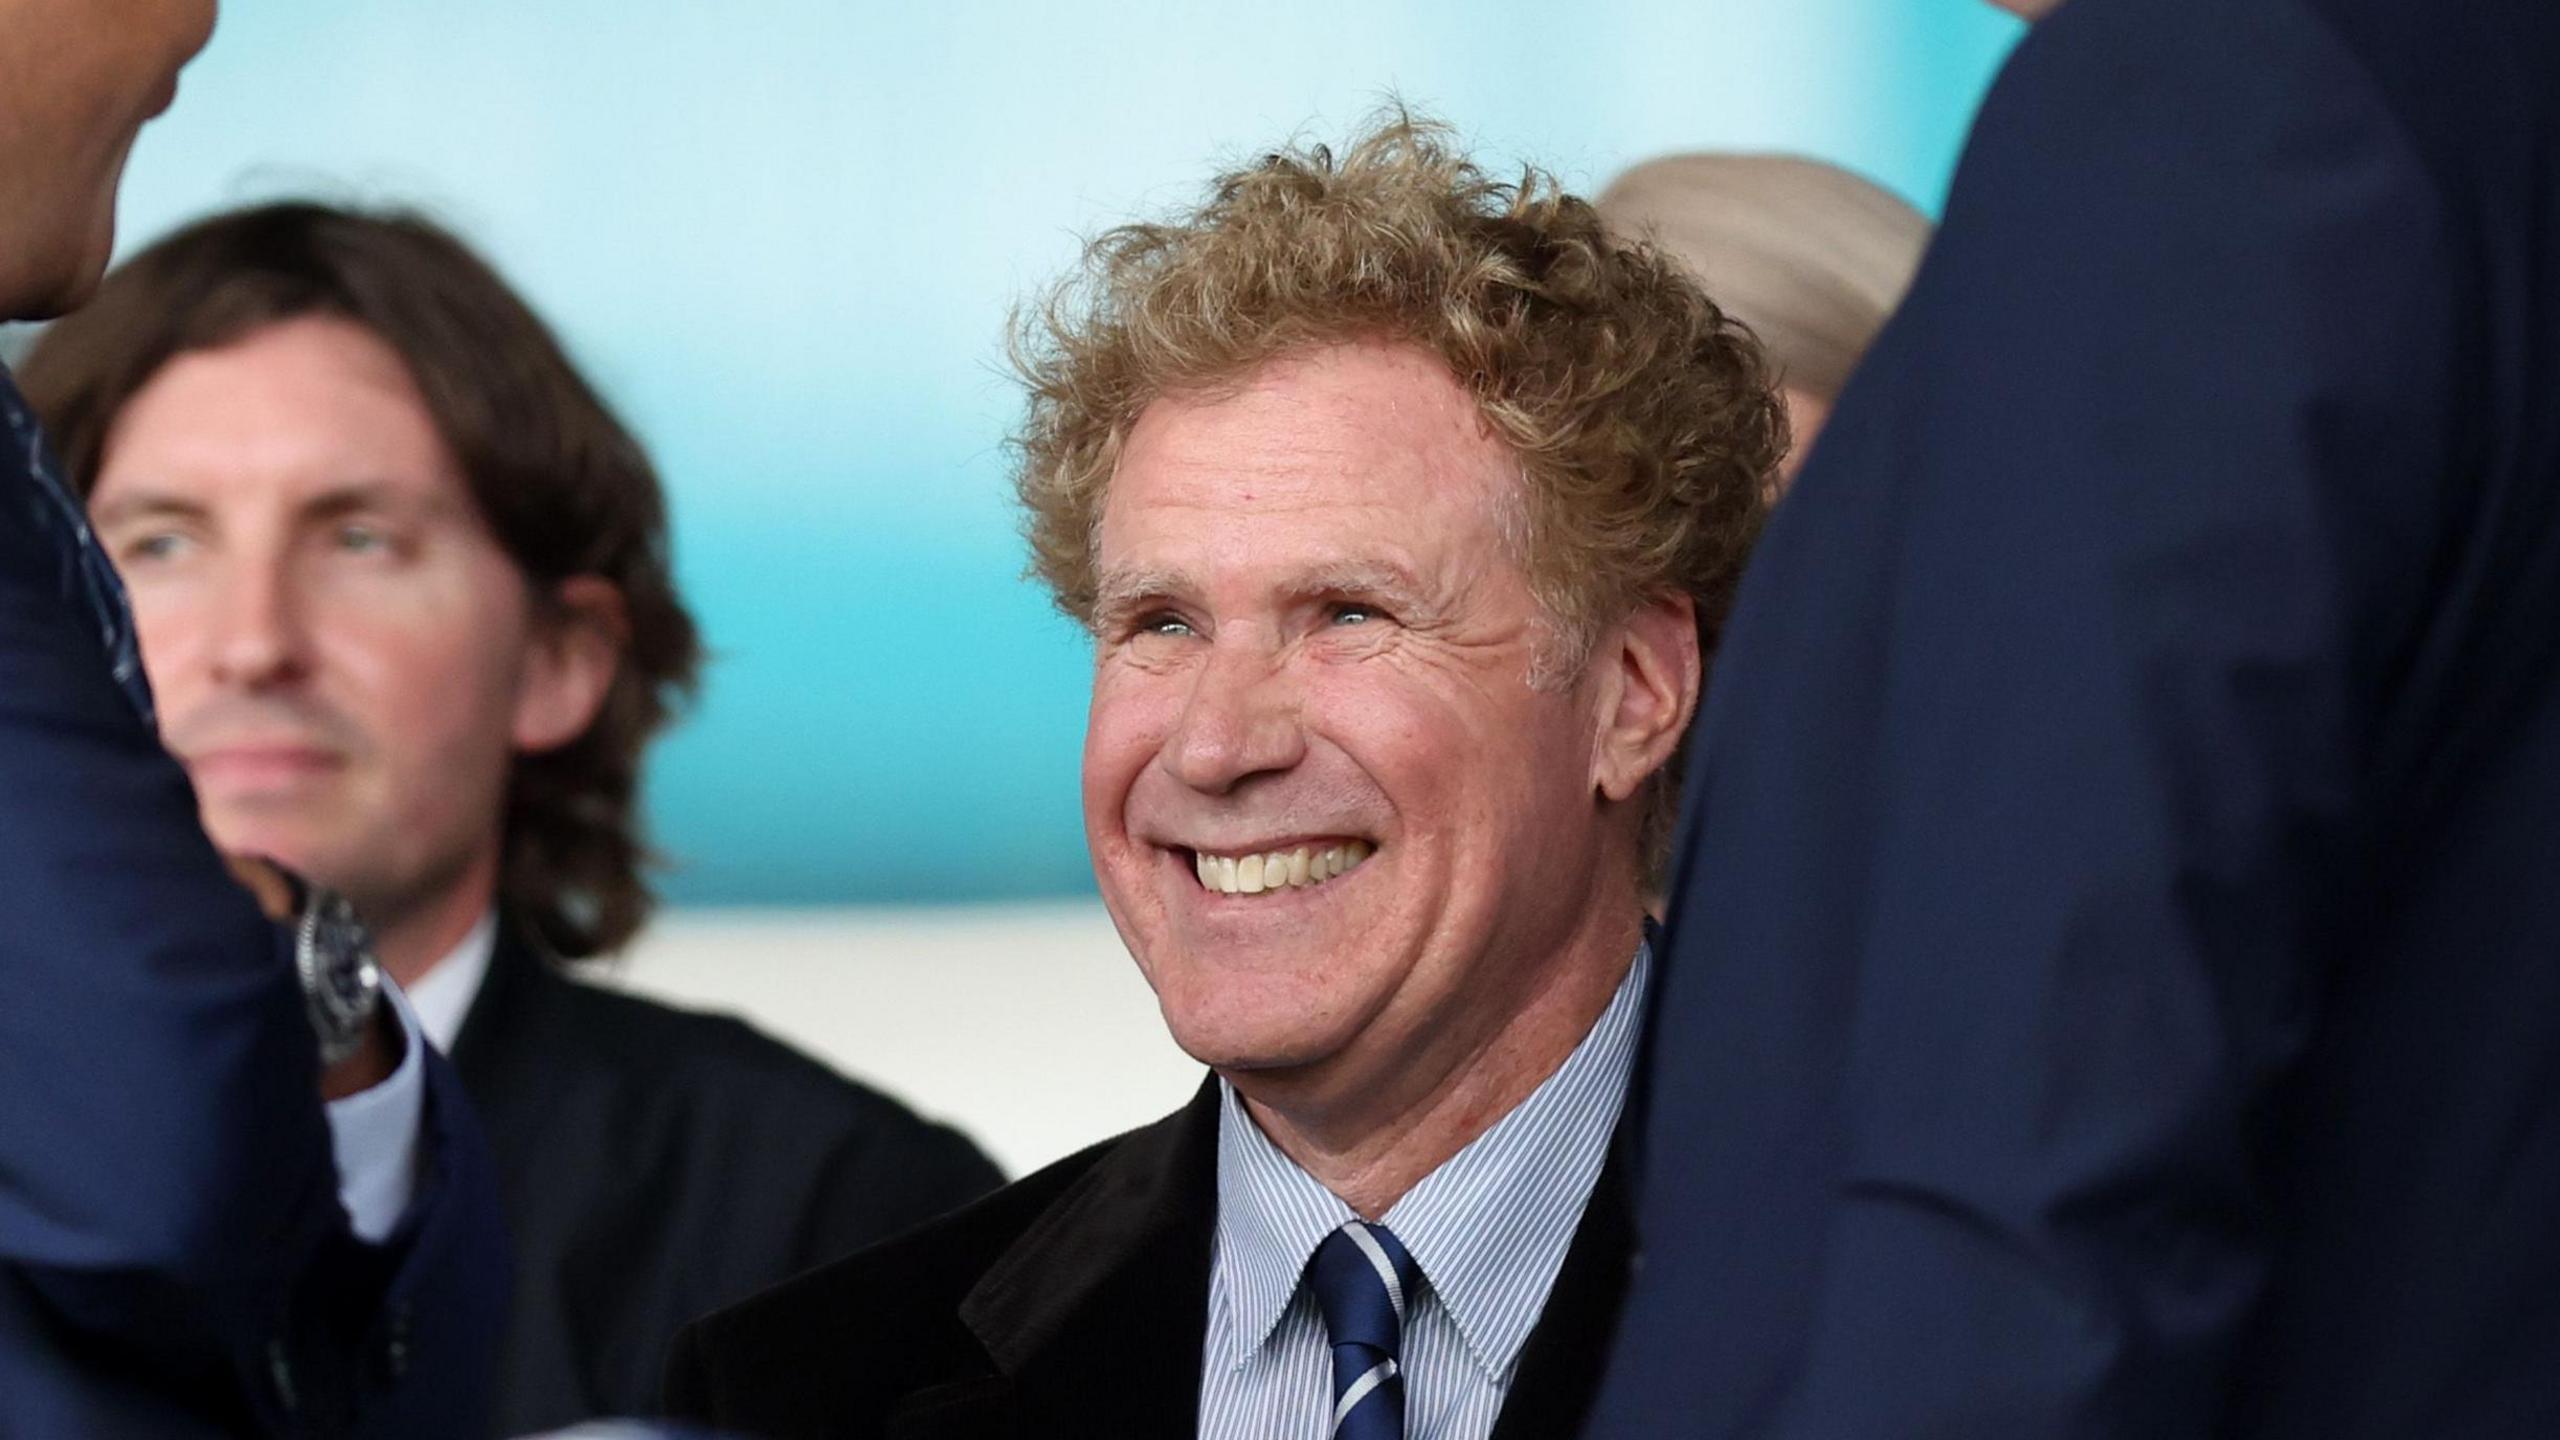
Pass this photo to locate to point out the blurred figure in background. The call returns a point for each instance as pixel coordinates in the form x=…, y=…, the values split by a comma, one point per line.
x=2114, y=975
x=1403, y=507
x=1812, y=257
x=403, y=589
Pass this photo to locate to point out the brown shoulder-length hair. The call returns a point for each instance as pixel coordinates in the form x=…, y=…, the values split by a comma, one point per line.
x=561, y=482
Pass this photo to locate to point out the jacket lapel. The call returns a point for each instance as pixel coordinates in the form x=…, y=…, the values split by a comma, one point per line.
x=1094, y=1319
x=494, y=1040
x=1561, y=1364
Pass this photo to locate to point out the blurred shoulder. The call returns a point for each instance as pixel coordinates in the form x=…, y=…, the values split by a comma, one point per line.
x=778, y=1361
x=616, y=1026
x=540, y=1036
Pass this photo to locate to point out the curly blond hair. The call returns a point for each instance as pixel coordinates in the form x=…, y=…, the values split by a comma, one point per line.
x=1643, y=416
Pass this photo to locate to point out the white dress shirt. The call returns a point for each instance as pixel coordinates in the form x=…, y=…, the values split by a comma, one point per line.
x=377, y=1134
x=1489, y=1230
x=443, y=995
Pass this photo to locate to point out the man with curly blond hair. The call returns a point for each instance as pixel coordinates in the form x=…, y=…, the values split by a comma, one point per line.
x=1403, y=505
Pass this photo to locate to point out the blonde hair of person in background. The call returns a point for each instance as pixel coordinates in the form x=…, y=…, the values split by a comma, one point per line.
x=1812, y=257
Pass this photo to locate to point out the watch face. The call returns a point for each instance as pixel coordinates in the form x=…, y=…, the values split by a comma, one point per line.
x=339, y=977
x=350, y=986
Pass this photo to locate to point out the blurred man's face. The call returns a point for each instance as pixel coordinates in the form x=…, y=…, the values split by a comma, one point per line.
x=2028, y=9
x=344, y=657
x=78, y=78
x=1313, y=655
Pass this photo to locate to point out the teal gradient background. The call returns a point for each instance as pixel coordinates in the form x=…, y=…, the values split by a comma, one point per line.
x=783, y=235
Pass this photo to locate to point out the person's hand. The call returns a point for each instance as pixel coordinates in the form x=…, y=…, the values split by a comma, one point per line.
x=265, y=880
x=373, y=1062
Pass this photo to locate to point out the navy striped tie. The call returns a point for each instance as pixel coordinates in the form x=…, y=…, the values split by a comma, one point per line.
x=1363, y=1279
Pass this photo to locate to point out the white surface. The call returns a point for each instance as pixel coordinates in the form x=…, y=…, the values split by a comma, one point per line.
x=1026, y=1025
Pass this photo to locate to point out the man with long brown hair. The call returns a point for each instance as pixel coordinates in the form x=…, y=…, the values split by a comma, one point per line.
x=403, y=589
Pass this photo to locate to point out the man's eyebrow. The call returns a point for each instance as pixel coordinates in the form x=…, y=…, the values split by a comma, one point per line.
x=146, y=504
x=1357, y=577
x=337, y=502
x=366, y=495
x=1119, y=590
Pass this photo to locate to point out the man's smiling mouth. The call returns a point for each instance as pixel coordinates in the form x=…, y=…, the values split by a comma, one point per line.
x=1263, y=872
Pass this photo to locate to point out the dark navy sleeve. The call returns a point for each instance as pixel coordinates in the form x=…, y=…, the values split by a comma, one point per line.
x=2033, y=766
x=153, y=1028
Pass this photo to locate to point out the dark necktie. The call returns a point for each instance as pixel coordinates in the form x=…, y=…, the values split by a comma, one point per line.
x=1363, y=1280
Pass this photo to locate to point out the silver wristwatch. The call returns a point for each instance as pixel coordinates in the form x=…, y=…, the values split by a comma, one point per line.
x=341, y=984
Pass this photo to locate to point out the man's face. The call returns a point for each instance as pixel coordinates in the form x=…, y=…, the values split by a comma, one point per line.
x=1312, y=640
x=78, y=78
x=344, y=656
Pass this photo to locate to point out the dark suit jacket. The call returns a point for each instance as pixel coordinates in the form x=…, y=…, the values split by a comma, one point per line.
x=658, y=1164
x=174, y=1260
x=1073, y=1303
x=2114, y=979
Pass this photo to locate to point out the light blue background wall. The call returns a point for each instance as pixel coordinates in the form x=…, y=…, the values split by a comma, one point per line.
x=783, y=234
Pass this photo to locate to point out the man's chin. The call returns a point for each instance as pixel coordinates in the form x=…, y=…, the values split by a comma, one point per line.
x=54, y=297
x=68, y=265
x=1269, y=1048
x=57, y=286
x=292, y=846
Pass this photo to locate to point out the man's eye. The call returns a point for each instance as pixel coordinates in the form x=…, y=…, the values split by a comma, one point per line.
x=362, y=539
x=158, y=545
x=1164, y=624
x=1354, y=614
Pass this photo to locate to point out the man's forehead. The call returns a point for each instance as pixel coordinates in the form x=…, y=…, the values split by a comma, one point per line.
x=1372, y=529
x=1359, y=437
x=1309, y=409
x=306, y=410
x=196, y=493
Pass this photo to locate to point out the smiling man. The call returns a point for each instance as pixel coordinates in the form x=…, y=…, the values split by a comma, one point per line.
x=1402, y=507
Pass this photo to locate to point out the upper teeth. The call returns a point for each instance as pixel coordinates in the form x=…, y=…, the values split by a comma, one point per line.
x=1278, y=870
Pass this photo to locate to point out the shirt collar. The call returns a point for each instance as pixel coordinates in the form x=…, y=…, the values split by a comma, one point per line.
x=442, y=996
x=1489, y=1228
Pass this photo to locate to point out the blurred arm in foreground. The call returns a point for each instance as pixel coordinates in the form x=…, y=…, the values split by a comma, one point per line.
x=177, y=1254
x=2110, y=989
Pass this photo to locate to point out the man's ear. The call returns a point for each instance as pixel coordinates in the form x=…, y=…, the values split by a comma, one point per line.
x=1648, y=671
x=579, y=636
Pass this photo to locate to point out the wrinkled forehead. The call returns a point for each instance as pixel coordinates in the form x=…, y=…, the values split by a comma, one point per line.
x=1356, y=458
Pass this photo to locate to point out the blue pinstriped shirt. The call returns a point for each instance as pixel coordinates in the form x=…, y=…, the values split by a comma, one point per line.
x=1489, y=1230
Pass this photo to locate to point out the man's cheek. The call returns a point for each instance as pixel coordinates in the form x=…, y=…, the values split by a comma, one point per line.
x=1120, y=740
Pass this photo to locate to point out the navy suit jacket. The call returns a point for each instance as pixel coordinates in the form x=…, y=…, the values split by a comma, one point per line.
x=174, y=1259
x=2114, y=978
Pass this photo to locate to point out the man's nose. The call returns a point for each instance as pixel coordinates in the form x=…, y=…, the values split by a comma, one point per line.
x=1240, y=720
x=258, y=635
